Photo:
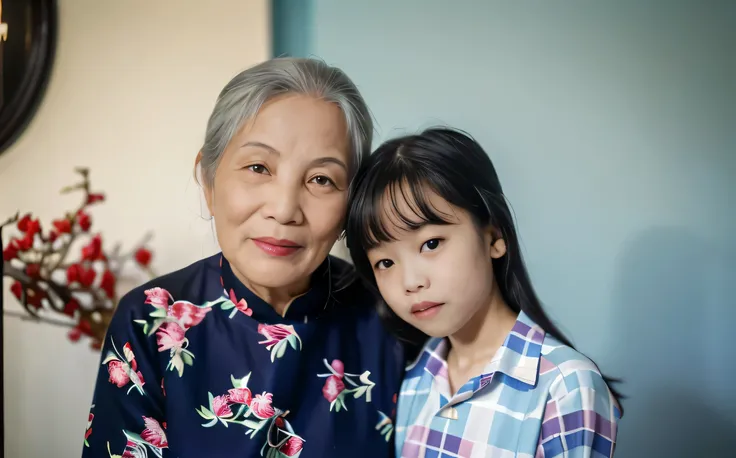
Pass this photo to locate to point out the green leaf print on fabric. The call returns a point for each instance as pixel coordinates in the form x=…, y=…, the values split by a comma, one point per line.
x=385, y=425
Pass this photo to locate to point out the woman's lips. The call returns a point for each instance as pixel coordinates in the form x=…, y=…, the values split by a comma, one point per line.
x=277, y=247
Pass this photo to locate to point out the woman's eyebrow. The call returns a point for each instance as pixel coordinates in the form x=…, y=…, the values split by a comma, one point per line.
x=329, y=160
x=268, y=148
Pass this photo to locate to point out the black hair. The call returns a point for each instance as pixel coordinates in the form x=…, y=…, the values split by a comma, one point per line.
x=455, y=167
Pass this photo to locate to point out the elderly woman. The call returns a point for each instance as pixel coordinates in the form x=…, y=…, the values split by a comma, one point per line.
x=269, y=348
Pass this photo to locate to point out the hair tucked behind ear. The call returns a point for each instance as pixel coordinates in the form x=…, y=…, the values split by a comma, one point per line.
x=455, y=167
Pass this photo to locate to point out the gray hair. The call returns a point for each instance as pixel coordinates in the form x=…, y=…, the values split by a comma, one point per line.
x=243, y=96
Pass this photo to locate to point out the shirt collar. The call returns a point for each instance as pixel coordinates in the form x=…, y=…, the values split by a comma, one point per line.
x=519, y=355
x=302, y=309
x=517, y=358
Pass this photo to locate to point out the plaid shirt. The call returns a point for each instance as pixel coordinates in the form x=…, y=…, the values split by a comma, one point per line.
x=536, y=398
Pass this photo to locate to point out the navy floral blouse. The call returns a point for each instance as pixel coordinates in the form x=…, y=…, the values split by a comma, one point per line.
x=195, y=365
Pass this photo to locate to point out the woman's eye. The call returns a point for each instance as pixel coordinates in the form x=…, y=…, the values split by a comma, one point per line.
x=384, y=264
x=322, y=180
x=258, y=168
x=431, y=245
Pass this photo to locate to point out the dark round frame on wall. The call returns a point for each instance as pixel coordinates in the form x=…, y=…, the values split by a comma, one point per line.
x=28, y=34
x=28, y=37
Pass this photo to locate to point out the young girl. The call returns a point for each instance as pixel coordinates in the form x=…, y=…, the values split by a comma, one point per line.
x=429, y=226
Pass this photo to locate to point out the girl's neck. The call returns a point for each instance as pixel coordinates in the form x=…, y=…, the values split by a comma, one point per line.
x=474, y=345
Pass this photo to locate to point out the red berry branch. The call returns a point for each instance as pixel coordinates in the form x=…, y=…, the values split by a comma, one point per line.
x=52, y=287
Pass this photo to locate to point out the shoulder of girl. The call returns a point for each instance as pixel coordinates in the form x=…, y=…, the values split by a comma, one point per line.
x=568, y=370
x=418, y=359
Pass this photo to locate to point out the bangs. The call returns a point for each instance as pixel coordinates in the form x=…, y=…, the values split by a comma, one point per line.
x=393, y=200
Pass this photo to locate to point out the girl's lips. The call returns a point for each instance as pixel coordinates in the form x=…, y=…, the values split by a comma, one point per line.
x=426, y=309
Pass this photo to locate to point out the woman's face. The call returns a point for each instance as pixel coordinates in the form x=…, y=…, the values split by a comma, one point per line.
x=280, y=192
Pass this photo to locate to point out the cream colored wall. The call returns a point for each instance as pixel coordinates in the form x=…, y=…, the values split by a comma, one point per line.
x=132, y=87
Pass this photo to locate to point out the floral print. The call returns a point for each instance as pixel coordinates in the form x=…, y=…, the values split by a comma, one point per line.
x=281, y=440
x=261, y=406
x=123, y=369
x=154, y=434
x=253, y=408
x=237, y=305
x=88, y=431
x=152, y=439
x=254, y=413
x=170, y=323
x=278, y=336
x=385, y=425
x=170, y=320
x=334, y=389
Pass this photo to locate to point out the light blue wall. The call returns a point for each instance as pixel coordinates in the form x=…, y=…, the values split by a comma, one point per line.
x=613, y=126
x=291, y=27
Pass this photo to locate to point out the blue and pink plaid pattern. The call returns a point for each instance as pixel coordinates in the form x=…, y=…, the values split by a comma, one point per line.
x=536, y=398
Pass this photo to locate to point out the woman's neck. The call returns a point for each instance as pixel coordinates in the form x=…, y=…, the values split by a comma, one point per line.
x=474, y=345
x=278, y=298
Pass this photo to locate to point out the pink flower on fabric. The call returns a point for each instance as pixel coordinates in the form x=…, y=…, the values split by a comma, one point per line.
x=118, y=374
x=274, y=333
x=187, y=313
x=130, y=356
x=220, y=406
x=154, y=434
x=241, y=304
x=158, y=297
x=130, y=451
x=292, y=446
x=170, y=335
x=333, y=387
x=89, y=426
x=240, y=396
x=261, y=406
x=338, y=367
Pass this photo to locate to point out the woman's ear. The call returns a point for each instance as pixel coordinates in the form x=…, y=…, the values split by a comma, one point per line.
x=207, y=189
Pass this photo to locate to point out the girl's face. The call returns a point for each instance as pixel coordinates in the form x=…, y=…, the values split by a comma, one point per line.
x=437, y=277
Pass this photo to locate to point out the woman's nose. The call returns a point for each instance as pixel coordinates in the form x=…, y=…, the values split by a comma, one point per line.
x=283, y=205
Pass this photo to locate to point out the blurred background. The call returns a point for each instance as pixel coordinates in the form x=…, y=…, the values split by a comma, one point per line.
x=612, y=125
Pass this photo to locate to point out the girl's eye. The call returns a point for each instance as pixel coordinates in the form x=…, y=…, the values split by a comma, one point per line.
x=431, y=245
x=384, y=264
x=322, y=180
x=258, y=168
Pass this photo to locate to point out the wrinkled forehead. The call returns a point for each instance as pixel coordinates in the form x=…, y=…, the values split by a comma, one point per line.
x=299, y=127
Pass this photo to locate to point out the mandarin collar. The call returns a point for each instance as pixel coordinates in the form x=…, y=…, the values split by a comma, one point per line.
x=301, y=310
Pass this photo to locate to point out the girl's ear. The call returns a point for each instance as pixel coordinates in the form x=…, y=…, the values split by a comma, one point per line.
x=498, y=249
x=495, y=240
